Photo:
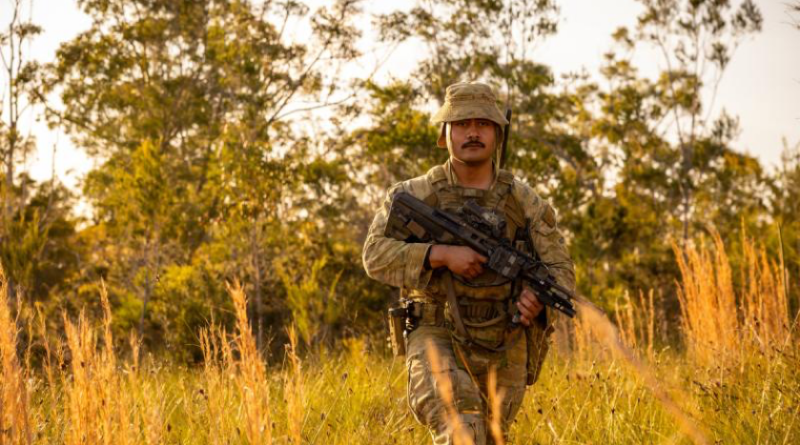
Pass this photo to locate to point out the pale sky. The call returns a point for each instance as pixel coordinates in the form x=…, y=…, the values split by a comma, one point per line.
x=761, y=85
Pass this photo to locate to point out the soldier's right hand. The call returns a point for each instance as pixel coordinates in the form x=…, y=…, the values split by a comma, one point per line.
x=461, y=260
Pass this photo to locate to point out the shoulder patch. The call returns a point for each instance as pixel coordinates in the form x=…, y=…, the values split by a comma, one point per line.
x=527, y=198
x=549, y=216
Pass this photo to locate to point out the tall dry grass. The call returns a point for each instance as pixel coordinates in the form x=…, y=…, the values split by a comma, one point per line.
x=602, y=329
x=636, y=321
x=214, y=393
x=15, y=418
x=102, y=401
x=720, y=322
x=294, y=389
x=495, y=408
x=254, y=387
x=765, y=304
x=235, y=390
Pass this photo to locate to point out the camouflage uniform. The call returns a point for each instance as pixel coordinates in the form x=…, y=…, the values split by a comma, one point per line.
x=516, y=356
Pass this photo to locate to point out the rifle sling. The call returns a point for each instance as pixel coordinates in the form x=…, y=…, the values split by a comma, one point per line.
x=447, y=277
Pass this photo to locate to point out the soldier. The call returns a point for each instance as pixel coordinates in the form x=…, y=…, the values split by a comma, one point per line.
x=471, y=130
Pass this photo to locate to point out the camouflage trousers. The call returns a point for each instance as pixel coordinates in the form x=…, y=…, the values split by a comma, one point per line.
x=469, y=392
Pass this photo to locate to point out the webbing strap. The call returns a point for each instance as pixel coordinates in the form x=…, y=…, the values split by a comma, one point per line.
x=447, y=277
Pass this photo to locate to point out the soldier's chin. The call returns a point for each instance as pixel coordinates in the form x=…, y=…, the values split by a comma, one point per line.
x=475, y=160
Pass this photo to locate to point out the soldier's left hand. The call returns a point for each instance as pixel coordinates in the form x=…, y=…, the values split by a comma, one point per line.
x=529, y=306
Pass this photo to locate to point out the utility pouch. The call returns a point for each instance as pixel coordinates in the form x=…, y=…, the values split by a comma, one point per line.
x=397, y=330
x=486, y=324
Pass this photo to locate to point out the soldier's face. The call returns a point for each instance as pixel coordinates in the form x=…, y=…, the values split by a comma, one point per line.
x=473, y=140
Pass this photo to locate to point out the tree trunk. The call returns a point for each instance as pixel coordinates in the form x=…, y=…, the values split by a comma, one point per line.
x=259, y=308
x=258, y=314
x=687, y=165
x=145, y=300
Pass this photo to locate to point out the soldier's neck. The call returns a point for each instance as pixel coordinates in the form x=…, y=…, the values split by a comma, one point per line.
x=479, y=176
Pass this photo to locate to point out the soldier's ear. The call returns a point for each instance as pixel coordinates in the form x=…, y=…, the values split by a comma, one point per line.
x=442, y=141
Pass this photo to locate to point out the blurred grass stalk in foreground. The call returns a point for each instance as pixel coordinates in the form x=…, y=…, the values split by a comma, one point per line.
x=737, y=381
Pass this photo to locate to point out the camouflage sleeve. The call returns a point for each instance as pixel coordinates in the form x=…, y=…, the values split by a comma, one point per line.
x=393, y=262
x=551, y=246
x=547, y=238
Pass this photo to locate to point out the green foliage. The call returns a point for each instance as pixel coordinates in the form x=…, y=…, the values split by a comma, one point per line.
x=314, y=309
x=40, y=250
x=784, y=207
x=188, y=104
x=400, y=143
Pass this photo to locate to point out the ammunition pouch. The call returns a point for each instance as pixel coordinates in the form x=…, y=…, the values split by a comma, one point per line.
x=425, y=314
x=485, y=323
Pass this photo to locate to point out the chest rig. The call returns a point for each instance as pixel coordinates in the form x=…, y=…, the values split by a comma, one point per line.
x=498, y=202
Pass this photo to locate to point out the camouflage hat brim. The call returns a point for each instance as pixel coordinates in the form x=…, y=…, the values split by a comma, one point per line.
x=448, y=113
x=469, y=100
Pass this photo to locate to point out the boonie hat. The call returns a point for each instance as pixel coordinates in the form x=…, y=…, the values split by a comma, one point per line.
x=469, y=100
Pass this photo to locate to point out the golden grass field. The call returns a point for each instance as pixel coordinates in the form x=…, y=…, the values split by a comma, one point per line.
x=735, y=378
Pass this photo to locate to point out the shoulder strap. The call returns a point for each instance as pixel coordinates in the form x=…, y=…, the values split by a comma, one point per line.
x=505, y=182
x=443, y=194
x=505, y=177
x=437, y=178
x=507, y=201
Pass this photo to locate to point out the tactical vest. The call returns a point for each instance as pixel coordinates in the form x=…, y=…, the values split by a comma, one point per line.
x=499, y=198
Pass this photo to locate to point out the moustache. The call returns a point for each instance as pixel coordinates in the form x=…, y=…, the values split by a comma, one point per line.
x=473, y=144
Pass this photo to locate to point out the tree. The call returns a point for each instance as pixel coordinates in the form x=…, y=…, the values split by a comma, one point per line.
x=40, y=252
x=696, y=40
x=673, y=170
x=785, y=210
x=17, y=72
x=189, y=104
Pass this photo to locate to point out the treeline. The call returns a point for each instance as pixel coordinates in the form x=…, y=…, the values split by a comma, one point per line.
x=230, y=147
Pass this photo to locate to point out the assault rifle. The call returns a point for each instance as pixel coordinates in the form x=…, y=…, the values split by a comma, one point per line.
x=411, y=220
